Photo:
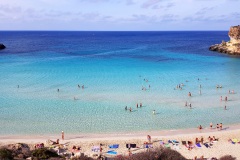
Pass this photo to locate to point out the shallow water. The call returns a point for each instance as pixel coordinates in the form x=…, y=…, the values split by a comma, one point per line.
x=112, y=67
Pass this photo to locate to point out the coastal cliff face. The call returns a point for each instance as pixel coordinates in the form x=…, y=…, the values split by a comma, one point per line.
x=2, y=46
x=231, y=47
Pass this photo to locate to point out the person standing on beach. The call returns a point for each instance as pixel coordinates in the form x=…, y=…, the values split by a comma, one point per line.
x=220, y=126
x=186, y=104
x=149, y=138
x=225, y=107
x=190, y=105
x=217, y=127
x=62, y=135
x=211, y=125
x=137, y=105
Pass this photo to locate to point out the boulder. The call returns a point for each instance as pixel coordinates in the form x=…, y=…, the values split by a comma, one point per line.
x=2, y=46
x=231, y=47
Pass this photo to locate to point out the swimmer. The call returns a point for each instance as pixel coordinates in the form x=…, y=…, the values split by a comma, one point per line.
x=226, y=98
x=186, y=104
x=126, y=108
x=137, y=105
x=221, y=98
x=58, y=90
x=18, y=86
x=190, y=105
x=225, y=107
x=189, y=94
x=83, y=87
x=154, y=112
x=140, y=104
x=130, y=109
x=78, y=86
x=211, y=125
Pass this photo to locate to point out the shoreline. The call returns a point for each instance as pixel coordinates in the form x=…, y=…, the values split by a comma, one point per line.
x=126, y=135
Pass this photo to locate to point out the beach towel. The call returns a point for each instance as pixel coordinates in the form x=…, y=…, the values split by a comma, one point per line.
x=184, y=142
x=161, y=143
x=198, y=145
x=148, y=145
x=206, y=145
x=174, y=141
x=114, y=146
x=167, y=145
x=131, y=145
x=234, y=140
x=176, y=147
x=112, y=152
x=95, y=148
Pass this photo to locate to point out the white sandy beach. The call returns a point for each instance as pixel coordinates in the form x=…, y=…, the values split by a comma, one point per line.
x=87, y=141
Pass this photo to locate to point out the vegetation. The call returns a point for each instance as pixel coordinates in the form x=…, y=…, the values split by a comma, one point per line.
x=44, y=153
x=227, y=157
x=157, y=154
x=5, y=154
x=153, y=154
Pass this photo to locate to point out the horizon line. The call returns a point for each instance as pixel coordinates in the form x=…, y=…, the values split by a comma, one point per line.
x=110, y=30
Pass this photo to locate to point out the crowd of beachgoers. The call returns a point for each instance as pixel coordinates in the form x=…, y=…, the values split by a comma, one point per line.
x=206, y=145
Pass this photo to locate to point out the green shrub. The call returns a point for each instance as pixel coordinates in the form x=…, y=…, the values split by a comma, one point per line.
x=227, y=157
x=156, y=154
x=44, y=153
x=5, y=154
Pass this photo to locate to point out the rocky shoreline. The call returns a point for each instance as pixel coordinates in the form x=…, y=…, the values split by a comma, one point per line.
x=231, y=47
x=2, y=46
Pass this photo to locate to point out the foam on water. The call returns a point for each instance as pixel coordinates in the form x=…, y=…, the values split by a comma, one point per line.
x=112, y=66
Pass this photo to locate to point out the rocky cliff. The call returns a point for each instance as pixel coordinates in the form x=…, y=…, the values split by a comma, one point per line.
x=2, y=46
x=231, y=47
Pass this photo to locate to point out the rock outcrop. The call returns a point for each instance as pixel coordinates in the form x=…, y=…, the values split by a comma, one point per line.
x=231, y=47
x=2, y=46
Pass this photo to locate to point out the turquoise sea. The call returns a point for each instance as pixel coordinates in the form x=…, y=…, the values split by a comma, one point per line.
x=114, y=67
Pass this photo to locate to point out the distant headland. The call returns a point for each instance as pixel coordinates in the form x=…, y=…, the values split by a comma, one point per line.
x=231, y=47
x=2, y=46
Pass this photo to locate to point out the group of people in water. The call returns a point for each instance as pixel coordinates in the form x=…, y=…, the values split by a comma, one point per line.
x=137, y=106
x=130, y=108
x=219, y=126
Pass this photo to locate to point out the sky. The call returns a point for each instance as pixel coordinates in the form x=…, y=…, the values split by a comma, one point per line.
x=119, y=15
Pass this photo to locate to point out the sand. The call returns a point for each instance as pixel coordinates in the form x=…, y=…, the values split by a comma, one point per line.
x=87, y=141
